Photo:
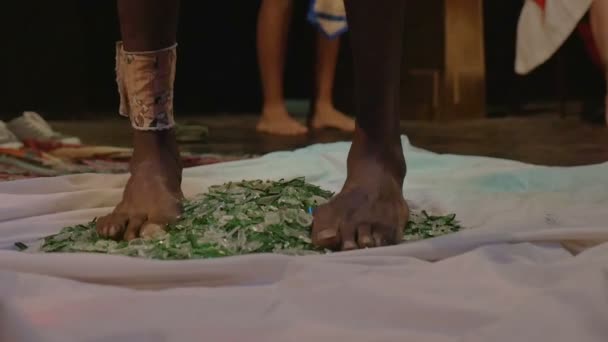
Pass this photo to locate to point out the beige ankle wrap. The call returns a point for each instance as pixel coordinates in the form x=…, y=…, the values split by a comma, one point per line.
x=145, y=84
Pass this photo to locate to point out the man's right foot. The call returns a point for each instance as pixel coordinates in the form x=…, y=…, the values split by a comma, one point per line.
x=277, y=121
x=152, y=197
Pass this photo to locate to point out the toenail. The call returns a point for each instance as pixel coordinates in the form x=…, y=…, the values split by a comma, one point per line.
x=151, y=231
x=348, y=245
x=366, y=241
x=326, y=234
x=380, y=241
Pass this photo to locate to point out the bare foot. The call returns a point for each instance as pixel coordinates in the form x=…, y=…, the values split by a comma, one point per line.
x=277, y=121
x=370, y=211
x=326, y=116
x=152, y=196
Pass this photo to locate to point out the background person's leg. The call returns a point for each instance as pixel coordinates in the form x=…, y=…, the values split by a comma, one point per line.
x=599, y=25
x=370, y=210
x=153, y=193
x=273, y=29
x=325, y=114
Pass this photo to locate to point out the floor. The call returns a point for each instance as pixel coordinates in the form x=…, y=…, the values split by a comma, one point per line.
x=543, y=139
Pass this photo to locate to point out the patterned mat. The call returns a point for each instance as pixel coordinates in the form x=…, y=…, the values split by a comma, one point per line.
x=37, y=159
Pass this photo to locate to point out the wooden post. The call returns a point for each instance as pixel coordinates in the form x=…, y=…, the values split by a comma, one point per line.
x=443, y=73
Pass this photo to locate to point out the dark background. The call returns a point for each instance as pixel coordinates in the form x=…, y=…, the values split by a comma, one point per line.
x=58, y=58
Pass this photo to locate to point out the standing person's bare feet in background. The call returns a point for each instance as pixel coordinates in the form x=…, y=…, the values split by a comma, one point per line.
x=146, y=70
x=599, y=25
x=324, y=114
x=273, y=30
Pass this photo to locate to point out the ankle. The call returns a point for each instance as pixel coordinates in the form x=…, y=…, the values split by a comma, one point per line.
x=386, y=152
x=161, y=143
x=153, y=137
x=323, y=106
x=274, y=110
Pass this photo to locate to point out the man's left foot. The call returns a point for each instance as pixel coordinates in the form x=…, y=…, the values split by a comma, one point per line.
x=370, y=211
x=326, y=116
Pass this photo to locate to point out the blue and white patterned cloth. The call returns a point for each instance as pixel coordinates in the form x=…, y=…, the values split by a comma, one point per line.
x=329, y=16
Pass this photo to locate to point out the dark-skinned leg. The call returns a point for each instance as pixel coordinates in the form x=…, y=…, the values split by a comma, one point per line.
x=370, y=210
x=146, y=69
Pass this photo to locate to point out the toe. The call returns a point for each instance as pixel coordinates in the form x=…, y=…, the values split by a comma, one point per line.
x=325, y=228
x=283, y=126
x=384, y=235
x=293, y=128
x=364, y=236
x=325, y=236
x=112, y=226
x=379, y=239
x=134, y=227
x=347, y=234
x=150, y=230
x=349, y=245
x=100, y=225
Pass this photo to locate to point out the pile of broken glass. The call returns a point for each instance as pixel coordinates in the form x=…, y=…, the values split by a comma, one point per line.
x=236, y=218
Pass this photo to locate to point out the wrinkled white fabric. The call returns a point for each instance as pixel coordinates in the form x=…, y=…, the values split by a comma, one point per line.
x=507, y=278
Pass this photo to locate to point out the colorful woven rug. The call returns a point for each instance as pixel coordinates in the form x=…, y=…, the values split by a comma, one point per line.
x=44, y=160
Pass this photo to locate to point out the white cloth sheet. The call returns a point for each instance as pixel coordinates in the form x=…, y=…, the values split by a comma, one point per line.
x=507, y=278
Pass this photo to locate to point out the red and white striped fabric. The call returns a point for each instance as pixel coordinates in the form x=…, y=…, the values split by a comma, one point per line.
x=544, y=25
